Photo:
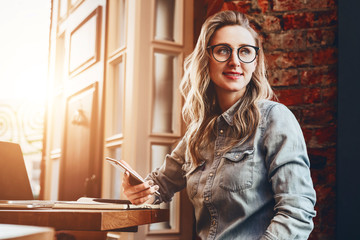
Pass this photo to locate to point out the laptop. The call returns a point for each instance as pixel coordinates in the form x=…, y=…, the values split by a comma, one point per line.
x=14, y=181
x=15, y=188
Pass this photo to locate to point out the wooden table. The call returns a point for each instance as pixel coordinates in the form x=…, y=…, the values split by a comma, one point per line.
x=85, y=220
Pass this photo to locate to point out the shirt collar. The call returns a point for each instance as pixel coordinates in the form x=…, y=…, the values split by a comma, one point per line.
x=228, y=115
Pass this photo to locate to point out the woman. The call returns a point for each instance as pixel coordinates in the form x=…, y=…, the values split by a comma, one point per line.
x=243, y=158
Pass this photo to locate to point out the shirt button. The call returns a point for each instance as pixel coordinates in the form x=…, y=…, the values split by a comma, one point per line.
x=221, y=131
x=207, y=199
x=218, y=154
x=213, y=222
x=211, y=174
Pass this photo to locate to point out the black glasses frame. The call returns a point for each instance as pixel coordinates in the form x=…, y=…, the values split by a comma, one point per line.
x=232, y=49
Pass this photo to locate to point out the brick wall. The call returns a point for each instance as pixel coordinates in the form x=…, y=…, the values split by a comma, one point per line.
x=300, y=43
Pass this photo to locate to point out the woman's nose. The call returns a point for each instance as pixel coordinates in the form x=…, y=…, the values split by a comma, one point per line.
x=234, y=59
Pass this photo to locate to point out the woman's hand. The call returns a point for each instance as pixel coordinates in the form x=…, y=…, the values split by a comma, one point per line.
x=141, y=193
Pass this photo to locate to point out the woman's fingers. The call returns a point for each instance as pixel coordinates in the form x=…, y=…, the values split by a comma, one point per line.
x=140, y=193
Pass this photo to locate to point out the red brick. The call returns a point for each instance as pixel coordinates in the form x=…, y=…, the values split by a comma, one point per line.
x=307, y=134
x=320, y=4
x=324, y=193
x=321, y=137
x=325, y=56
x=293, y=40
x=325, y=18
x=287, y=5
x=264, y=5
x=310, y=19
x=286, y=41
x=318, y=115
x=271, y=23
x=318, y=76
x=298, y=20
x=273, y=60
x=319, y=176
x=312, y=95
x=328, y=152
x=326, y=136
x=331, y=156
x=296, y=112
x=311, y=77
x=331, y=76
x=213, y=6
x=288, y=59
x=329, y=95
x=328, y=211
x=296, y=59
x=283, y=77
x=293, y=5
x=331, y=176
x=314, y=175
x=272, y=42
x=291, y=97
x=317, y=38
x=241, y=6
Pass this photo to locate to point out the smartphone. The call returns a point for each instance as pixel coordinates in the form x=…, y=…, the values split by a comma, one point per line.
x=134, y=179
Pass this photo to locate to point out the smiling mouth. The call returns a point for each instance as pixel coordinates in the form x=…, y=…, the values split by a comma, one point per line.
x=233, y=75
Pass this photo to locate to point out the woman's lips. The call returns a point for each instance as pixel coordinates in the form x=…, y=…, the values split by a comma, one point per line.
x=233, y=75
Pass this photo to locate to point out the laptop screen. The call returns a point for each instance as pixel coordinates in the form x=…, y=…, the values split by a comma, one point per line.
x=14, y=181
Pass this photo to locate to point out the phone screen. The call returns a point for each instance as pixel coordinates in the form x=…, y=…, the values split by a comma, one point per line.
x=135, y=178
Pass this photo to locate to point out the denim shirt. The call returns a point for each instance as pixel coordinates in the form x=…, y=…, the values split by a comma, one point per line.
x=260, y=189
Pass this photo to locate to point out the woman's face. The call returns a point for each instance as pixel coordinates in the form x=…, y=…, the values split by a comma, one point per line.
x=231, y=77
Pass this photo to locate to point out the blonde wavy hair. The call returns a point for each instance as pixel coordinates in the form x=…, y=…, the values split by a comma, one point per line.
x=201, y=109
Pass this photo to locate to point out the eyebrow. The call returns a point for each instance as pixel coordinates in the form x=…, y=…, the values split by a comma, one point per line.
x=240, y=45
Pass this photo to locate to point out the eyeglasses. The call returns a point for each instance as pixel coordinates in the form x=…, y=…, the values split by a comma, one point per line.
x=222, y=52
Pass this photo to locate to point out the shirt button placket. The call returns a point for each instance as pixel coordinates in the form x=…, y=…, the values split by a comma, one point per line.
x=207, y=192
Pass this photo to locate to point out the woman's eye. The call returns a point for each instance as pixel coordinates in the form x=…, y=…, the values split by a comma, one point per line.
x=223, y=51
x=245, y=51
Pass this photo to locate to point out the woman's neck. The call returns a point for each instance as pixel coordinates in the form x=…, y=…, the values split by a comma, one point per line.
x=227, y=100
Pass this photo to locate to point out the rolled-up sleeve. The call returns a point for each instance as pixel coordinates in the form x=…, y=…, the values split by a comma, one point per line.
x=289, y=175
x=170, y=176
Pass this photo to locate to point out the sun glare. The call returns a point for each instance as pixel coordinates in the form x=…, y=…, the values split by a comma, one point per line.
x=24, y=49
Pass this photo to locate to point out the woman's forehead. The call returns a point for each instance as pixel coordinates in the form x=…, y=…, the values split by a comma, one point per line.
x=234, y=35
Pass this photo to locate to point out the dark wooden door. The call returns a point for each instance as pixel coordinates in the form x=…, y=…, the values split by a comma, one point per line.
x=80, y=164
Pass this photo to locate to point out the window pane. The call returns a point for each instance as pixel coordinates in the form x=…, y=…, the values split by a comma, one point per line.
x=118, y=100
x=115, y=174
x=165, y=20
x=60, y=58
x=121, y=23
x=55, y=170
x=63, y=8
x=57, y=121
x=84, y=44
x=162, y=115
x=158, y=153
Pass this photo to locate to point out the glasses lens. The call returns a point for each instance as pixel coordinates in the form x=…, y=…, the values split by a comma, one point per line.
x=221, y=53
x=247, y=54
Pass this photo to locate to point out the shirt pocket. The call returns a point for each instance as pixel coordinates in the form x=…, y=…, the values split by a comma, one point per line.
x=193, y=178
x=236, y=173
